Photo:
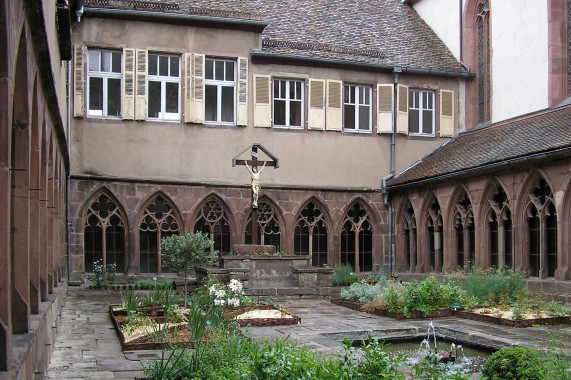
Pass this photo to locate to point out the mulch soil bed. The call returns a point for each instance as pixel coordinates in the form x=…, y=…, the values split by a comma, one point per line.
x=180, y=334
x=455, y=313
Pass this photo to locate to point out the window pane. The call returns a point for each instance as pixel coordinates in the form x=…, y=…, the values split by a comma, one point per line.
x=116, y=62
x=154, y=99
x=96, y=93
x=114, y=97
x=292, y=90
x=211, y=101
x=349, y=117
x=153, y=64
x=172, y=97
x=163, y=65
x=364, y=117
x=298, y=90
x=279, y=112
x=106, y=61
x=295, y=114
x=427, y=122
x=230, y=71
x=227, y=104
x=209, y=69
x=219, y=70
x=283, y=91
x=276, y=89
x=174, y=66
x=94, y=60
x=413, y=121
x=429, y=101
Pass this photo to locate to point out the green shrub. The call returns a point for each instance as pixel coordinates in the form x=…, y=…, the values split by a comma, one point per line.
x=343, y=275
x=145, y=284
x=525, y=363
x=493, y=285
x=361, y=292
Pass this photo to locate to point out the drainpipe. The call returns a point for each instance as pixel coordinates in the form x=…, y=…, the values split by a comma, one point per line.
x=67, y=184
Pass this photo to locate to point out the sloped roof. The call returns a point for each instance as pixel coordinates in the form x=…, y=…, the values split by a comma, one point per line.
x=379, y=32
x=546, y=132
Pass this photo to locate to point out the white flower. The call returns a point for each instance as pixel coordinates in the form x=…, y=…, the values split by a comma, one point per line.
x=235, y=285
x=235, y=302
x=219, y=302
x=220, y=293
x=212, y=289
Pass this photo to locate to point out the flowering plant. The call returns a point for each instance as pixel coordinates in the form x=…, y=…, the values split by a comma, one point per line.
x=229, y=295
x=104, y=275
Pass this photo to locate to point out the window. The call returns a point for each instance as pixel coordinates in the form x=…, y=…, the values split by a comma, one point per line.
x=164, y=87
x=421, y=113
x=220, y=90
x=288, y=101
x=104, y=83
x=357, y=108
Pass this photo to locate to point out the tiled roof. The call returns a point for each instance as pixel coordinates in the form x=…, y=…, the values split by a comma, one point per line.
x=546, y=132
x=385, y=32
x=380, y=32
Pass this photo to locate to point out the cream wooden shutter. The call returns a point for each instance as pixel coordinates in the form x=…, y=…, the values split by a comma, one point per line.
x=316, y=117
x=242, y=104
x=128, y=84
x=262, y=101
x=79, y=81
x=334, y=109
x=384, y=108
x=141, y=85
x=187, y=80
x=197, y=89
x=402, y=109
x=446, y=113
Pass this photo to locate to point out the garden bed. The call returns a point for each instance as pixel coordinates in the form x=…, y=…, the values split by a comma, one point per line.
x=142, y=338
x=526, y=321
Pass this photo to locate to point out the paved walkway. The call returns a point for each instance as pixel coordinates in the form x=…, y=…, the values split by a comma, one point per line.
x=87, y=346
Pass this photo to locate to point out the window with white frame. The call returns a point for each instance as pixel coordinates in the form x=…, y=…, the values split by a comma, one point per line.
x=220, y=91
x=104, y=83
x=288, y=103
x=164, y=87
x=421, y=112
x=357, y=110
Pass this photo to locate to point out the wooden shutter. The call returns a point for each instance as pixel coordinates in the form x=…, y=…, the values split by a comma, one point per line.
x=128, y=84
x=197, y=89
x=334, y=109
x=187, y=80
x=446, y=113
x=242, y=104
x=262, y=101
x=316, y=117
x=141, y=85
x=79, y=81
x=402, y=109
x=384, y=108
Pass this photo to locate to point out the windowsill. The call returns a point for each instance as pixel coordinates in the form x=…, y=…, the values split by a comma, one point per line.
x=358, y=131
x=221, y=124
x=104, y=117
x=419, y=136
x=286, y=128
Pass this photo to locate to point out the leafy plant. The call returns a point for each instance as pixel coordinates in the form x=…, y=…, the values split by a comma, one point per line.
x=493, y=285
x=180, y=252
x=514, y=363
x=103, y=275
x=130, y=302
x=343, y=275
x=361, y=292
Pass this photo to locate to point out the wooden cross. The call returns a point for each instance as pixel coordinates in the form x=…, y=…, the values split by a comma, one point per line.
x=252, y=164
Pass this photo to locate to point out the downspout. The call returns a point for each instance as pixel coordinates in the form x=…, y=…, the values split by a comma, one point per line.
x=386, y=198
x=68, y=185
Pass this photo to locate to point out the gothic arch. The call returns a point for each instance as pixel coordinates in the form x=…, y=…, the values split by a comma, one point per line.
x=562, y=272
x=216, y=220
x=158, y=218
x=321, y=205
x=430, y=234
x=496, y=214
x=541, y=228
x=312, y=231
x=406, y=235
x=270, y=222
x=105, y=231
x=462, y=230
x=357, y=233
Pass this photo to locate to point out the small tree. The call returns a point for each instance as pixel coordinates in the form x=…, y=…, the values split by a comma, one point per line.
x=180, y=252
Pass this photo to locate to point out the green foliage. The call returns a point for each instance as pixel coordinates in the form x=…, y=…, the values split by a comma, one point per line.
x=493, y=285
x=361, y=292
x=103, y=275
x=191, y=249
x=558, y=309
x=343, y=275
x=525, y=363
x=130, y=302
x=370, y=361
x=149, y=284
x=430, y=368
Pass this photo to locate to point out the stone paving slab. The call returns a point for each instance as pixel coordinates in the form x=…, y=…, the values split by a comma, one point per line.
x=87, y=346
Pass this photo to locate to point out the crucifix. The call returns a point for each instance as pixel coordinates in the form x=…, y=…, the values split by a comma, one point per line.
x=253, y=167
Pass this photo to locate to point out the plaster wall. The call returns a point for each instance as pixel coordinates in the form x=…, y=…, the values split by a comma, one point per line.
x=443, y=17
x=191, y=153
x=519, y=44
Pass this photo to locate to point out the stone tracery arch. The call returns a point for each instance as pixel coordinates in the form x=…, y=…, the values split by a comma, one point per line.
x=311, y=232
x=213, y=219
x=357, y=238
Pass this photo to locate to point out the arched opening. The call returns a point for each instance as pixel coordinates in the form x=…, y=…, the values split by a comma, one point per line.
x=267, y=225
x=310, y=235
x=357, y=239
x=465, y=232
x=213, y=221
x=435, y=236
x=409, y=227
